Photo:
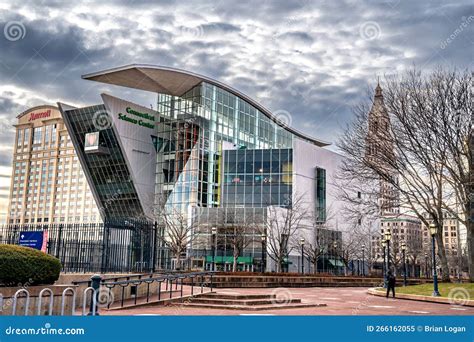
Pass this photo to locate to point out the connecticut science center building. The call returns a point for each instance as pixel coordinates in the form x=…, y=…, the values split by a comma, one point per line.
x=208, y=156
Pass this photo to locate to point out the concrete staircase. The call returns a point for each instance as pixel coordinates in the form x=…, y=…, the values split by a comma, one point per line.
x=251, y=302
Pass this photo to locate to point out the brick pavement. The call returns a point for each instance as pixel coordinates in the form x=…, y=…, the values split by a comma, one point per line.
x=340, y=301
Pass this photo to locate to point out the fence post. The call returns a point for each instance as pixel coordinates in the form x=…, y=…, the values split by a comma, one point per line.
x=95, y=284
x=155, y=233
x=58, y=247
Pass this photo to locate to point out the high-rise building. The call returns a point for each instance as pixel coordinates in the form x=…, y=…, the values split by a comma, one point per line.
x=380, y=153
x=48, y=184
x=404, y=229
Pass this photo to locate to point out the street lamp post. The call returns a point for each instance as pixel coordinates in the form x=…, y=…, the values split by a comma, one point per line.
x=433, y=231
x=335, y=251
x=363, y=261
x=404, y=248
x=264, y=253
x=302, y=240
x=384, y=273
x=388, y=237
x=214, y=246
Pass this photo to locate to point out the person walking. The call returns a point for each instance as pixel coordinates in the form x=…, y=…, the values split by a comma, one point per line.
x=391, y=280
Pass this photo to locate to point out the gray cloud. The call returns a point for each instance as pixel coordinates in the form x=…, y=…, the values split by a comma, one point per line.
x=310, y=58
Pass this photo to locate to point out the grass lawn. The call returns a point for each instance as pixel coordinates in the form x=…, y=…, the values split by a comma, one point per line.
x=444, y=289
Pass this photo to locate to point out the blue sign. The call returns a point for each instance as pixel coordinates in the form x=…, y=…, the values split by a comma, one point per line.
x=32, y=239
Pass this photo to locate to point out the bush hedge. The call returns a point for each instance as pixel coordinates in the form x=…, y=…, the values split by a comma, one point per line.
x=27, y=266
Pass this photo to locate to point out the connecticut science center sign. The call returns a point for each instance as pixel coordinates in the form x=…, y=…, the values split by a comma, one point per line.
x=137, y=118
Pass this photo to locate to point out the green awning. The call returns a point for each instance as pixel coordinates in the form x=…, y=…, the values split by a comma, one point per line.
x=337, y=263
x=230, y=260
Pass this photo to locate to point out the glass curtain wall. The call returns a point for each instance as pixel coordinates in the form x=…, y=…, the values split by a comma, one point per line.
x=219, y=117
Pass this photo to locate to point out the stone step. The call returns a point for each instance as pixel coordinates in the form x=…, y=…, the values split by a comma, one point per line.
x=236, y=296
x=275, y=285
x=247, y=302
x=250, y=307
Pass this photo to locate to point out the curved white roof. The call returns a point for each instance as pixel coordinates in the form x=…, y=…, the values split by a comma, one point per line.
x=171, y=81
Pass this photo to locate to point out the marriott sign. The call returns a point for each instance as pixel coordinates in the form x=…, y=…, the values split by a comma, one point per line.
x=40, y=115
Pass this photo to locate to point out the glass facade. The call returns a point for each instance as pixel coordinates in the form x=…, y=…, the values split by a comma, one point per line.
x=195, y=130
x=257, y=178
x=108, y=170
x=320, y=194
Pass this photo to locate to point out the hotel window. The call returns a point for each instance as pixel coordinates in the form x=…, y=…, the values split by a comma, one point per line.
x=37, y=135
x=47, y=134
x=19, y=138
x=53, y=134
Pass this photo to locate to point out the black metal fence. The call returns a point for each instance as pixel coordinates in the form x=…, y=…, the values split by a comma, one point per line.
x=112, y=246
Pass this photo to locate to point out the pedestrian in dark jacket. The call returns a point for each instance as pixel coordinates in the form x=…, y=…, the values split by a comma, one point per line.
x=391, y=283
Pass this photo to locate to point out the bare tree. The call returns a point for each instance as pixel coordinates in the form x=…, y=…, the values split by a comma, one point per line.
x=320, y=237
x=443, y=102
x=414, y=252
x=281, y=229
x=178, y=229
x=237, y=230
x=408, y=155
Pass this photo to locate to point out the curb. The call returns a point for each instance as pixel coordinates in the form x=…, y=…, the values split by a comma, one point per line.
x=440, y=300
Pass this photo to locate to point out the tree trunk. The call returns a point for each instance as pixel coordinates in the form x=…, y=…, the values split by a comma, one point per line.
x=178, y=261
x=236, y=255
x=315, y=265
x=442, y=256
x=470, y=249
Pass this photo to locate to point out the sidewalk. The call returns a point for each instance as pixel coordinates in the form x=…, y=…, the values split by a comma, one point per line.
x=340, y=301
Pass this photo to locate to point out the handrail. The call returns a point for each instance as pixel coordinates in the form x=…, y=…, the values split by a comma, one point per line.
x=112, y=278
x=161, y=278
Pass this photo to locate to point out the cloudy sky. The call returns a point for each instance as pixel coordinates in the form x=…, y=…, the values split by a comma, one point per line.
x=312, y=59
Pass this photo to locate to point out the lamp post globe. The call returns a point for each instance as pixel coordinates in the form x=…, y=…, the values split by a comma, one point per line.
x=433, y=232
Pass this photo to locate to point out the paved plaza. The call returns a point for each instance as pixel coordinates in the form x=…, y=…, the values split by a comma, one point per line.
x=339, y=301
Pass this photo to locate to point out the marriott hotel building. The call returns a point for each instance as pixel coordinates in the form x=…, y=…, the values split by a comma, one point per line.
x=47, y=183
x=207, y=149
